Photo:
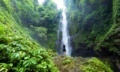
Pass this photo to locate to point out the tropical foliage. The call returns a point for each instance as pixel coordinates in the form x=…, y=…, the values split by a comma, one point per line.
x=18, y=51
x=95, y=24
x=28, y=35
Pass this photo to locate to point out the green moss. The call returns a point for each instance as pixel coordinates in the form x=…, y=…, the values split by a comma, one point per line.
x=95, y=65
x=2, y=29
x=95, y=23
x=79, y=64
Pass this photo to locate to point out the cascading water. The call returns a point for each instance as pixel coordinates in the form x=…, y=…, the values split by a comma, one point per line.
x=63, y=29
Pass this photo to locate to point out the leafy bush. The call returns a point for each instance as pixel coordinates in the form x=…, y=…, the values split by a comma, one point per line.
x=1, y=29
x=24, y=58
x=24, y=55
x=95, y=65
x=20, y=53
x=67, y=60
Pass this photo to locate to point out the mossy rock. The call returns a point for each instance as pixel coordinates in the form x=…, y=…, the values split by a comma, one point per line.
x=95, y=65
x=79, y=64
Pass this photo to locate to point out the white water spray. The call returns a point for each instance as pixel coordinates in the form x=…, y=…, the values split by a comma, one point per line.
x=64, y=30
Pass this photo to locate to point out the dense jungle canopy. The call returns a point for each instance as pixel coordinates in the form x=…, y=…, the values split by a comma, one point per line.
x=28, y=36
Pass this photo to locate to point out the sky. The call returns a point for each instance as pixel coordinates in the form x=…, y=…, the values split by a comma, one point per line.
x=41, y=1
x=60, y=3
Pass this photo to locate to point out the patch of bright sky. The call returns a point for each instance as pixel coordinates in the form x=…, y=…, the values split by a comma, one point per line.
x=60, y=3
x=41, y=1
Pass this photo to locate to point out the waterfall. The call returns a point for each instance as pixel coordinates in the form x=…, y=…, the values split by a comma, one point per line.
x=63, y=29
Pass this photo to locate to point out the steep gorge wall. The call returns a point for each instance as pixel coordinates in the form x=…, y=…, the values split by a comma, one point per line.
x=95, y=24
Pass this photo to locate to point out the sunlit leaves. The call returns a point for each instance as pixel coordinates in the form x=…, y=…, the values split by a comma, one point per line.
x=23, y=55
x=2, y=29
x=30, y=62
x=22, y=69
x=18, y=52
x=5, y=67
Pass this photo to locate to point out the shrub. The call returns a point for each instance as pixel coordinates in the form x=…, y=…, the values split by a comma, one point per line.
x=95, y=65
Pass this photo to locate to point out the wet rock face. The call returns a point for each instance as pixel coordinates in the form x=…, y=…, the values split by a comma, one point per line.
x=118, y=66
x=83, y=51
x=98, y=25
